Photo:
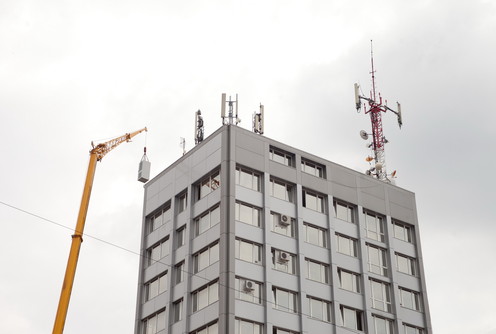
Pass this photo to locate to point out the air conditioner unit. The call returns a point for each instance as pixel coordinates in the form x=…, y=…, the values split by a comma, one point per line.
x=284, y=220
x=284, y=257
x=249, y=285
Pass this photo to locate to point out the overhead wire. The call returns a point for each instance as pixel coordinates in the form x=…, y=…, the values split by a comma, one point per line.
x=170, y=266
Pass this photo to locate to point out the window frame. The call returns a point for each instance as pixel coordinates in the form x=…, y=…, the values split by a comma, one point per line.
x=161, y=280
x=323, y=268
x=411, y=264
x=319, y=169
x=352, y=245
x=255, y=246
x=351, y=211
x=277, y=227
x=208, y=289
x=238, y=323
x=211, y=250
x=180, y=236
x=388, y=324
x=255, y=294
x=179, y=272
x=164, y=249
x=155, y=316
x=356, y=280
x=286, y=158
x=292, y=298
x=415, y=298
x=288, y=267
x=177, y=310
x=320, y=200
x=382, y=300
x=208, y=213
x=417, y=330
x=376, y=229
x=359, y=323
x=288, y=192
x=163, y=213
x=182, y=201
x=382, y=267
x=206, y=329
x=326, y=309
x=256, y=178
x=407, y=229
x=211, y=181
x=237, y=213
x=321, y=235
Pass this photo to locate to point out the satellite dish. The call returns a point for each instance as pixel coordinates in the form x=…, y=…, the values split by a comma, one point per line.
x=369, y=159
x=378, y=166
x=364, y=135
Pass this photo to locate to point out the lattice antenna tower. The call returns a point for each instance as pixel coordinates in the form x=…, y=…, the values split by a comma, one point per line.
x=375, y=108
x=199, y=127
x=232, y=113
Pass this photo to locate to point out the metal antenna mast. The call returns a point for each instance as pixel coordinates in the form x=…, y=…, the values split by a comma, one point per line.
x=232, y=114
x=375, y=108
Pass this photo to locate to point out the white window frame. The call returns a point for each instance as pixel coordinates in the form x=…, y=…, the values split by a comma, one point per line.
x=380, y=295
x=403, y=231
x=382, y=325
x=352, y=318
x=276, y=226
x=253, y=295
x=381, y=267
x=212, y=328
x=154, y=323
x=321, y=235
x=205, y=296
x=257, y=328
x=292, y=298
x=158, y=251
x=177, y=308
x=207, y=220
x=206, y=257
x=374, y=226
x=245, y=174
x=325, y=306
x=288, y=266
x=181, y=236
x=179, y=272
x=288, y=192
x=256, y=251
x=156, y=286
x=323, y=271
x=350, y=210
x=281, y=156
x=312, y=168
x=406, y=265
x=347, y=245
x=239, y=214
x=410, y=299
x=349, y=278
x=309, y=196
x=160, y=218
x=410, y=329
x=208, y=184
x=182, y=202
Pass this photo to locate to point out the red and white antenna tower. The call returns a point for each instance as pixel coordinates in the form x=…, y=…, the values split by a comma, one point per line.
x=375, y=108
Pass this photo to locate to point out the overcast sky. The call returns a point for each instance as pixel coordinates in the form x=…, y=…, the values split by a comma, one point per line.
x=76, y=71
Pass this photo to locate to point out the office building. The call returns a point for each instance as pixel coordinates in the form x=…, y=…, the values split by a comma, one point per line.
x=244, y=234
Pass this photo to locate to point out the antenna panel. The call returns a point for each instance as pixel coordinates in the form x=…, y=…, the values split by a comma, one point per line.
x=223, y=106
x=261, y=119
x=400, y=119
x=357, y=96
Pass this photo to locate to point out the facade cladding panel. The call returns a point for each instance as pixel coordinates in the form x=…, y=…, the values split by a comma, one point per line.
x=244, y=234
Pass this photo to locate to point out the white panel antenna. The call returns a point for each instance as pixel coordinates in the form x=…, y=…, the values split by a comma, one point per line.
x=258, y=121
x=199, y=129
x=357, y=96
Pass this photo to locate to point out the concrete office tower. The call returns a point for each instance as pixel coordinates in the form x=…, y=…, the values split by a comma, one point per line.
x=244, y=234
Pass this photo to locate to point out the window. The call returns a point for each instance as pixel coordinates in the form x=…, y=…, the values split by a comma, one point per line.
x=406, y=265
x=409, y=329
x=377, y=260
x=182, y=202
x=209, y=329
x=206, y=257
x=181, y=236
x=205, y=296
x=248, y=251
x=248, y=178
x=247, y=214
x=349, y=281
x=276, y=330
x=374, y=226
x=154, y=323
x=344, y=211
x=160, y=218
x=207, y=185
x=281, y=190
x=352, y=318
x=247, y=327
x=410, y=299
x=284, y=300
x=346, y=245
x=317, y=271
x=315, y=235
x=380, y=295
x=283, y=261
x=178, y=310
x=282, y=224
x=155, y=287
x=313, y=201
x=281, y=157
x=179, y=272
x=312, y=168
x=157, y=252
x=382, y=325
x=248, y=290
x=207, y=220
x=319, y=309
x=403, y=231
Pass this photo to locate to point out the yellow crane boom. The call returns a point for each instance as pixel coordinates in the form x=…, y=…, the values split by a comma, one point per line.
x=96, y=154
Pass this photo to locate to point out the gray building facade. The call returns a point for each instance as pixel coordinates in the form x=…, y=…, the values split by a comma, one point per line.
x=246, y=235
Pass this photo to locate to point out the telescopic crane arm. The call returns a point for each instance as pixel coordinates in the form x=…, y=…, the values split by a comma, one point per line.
x=96, y=154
